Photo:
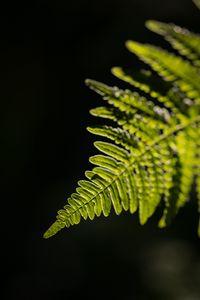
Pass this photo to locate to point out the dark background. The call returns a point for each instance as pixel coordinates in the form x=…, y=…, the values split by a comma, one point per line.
x=47, y=50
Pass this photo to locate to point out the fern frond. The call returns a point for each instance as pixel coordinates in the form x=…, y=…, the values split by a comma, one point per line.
x=197, y=2
x=152, y=152
x=186, y=42
x=171, y=67
x=198, y=176
x=123, y=181
x=116, y=134
x=171, y=96
x=184, y=164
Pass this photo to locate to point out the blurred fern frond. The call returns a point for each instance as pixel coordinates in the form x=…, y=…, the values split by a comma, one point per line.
x=197, y=2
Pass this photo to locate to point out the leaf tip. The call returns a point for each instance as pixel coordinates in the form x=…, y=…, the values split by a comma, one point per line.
x=47, y=234
x=99, y=87
x=53, y=229
x=116, y=71
x=129, y=43
x=91, y=129
x=134, y=47
x=88, y=81
x=151, y=24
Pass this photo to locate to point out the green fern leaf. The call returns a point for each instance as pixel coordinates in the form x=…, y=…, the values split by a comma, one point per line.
x=152, y=86
x=187, y=43
x=171, y=67
x=152, y=151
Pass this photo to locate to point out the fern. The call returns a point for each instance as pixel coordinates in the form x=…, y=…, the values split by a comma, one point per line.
x=154, y=151
x=197, y=2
